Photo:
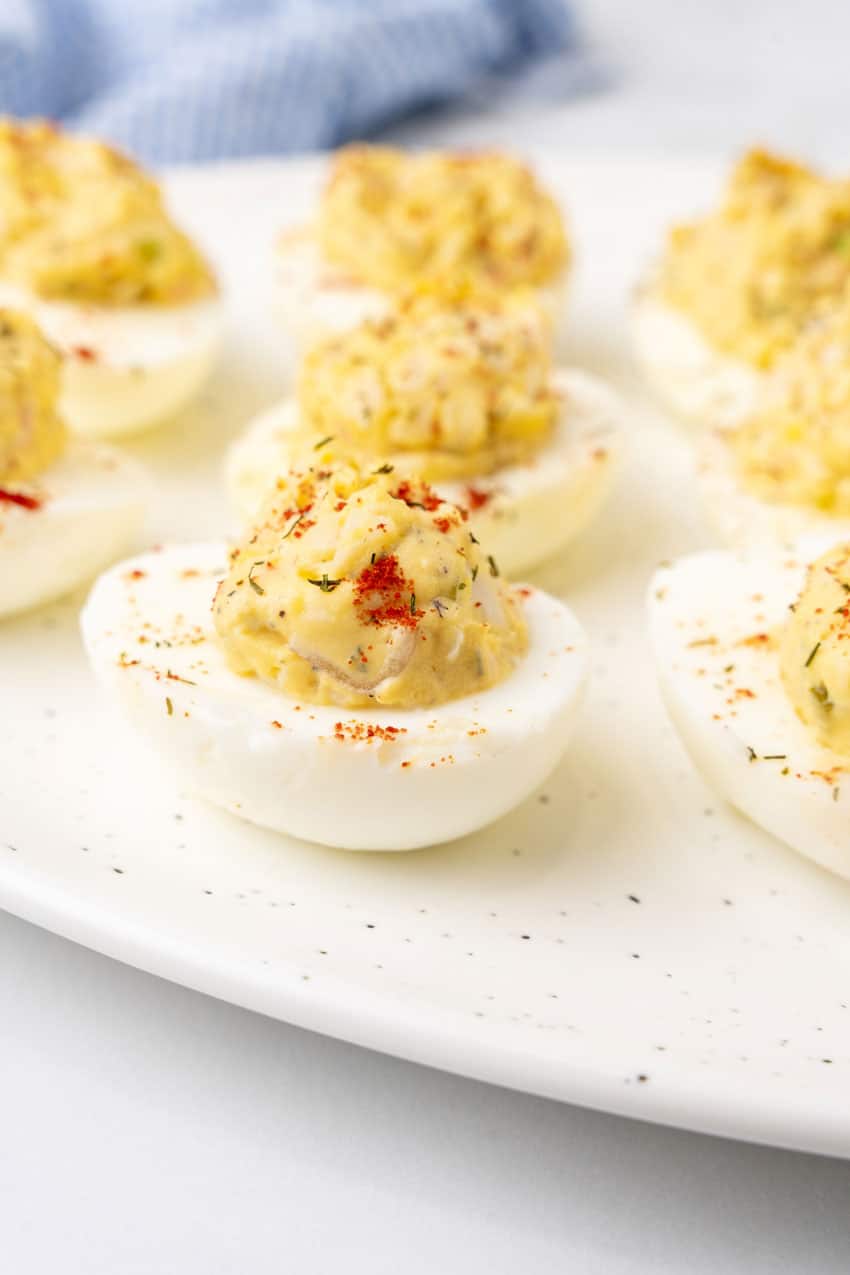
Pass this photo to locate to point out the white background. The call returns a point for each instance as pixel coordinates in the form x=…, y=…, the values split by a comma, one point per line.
x=147, y=1130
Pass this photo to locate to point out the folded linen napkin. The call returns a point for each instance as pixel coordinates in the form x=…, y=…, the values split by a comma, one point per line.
x=177, y=80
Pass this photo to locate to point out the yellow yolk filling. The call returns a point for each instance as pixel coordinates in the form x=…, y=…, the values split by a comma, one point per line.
x=796, y=448
x=441, y=389
x=775, y=254
x=815, y=650
x=81, y=222
x=389, y=219
x=32, y=434
x=357, y=589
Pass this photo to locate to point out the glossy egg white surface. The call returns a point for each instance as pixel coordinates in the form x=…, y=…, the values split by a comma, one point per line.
x=714, y=618
x=126, y=368
x=742, y=519
x=523, y=513
x=90, y=507
x=697, y=383
x=382, y=779
x=622, y=939
x=315, y=298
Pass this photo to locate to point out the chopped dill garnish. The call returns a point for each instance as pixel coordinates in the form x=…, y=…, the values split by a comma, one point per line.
x=413, y=604
x=821, y=694
x=386, y=468
x=323, y=442
x=494, y=570
x=475, y=571
x=258, y=588
x=326, y=585
x=812, y=653
x=169, y=707
x=292, y=526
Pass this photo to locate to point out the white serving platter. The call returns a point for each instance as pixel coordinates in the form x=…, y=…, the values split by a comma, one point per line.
x=622, y=940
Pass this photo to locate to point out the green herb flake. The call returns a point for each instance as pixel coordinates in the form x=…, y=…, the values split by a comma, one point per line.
x=292, y=526
x=255, y=585
x=326, y=585
x=812, y=653
x=323, y=442
x=413, y=604
x=169, y=707
x=386, y=468
x=821, y=694
x=494, y=570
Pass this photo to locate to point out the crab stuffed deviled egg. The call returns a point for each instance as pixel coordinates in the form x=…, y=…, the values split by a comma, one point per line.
x=364, y=677
x=388, y=219
x=734, y=290
x=753, y=657
x=67, y=507
x=784, y=472
x=88, y=248
x=460, y=391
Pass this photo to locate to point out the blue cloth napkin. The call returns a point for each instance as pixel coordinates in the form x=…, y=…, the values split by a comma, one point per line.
x=176, y=80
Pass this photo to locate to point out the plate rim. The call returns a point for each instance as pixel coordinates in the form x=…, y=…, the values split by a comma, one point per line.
x=374, y=1021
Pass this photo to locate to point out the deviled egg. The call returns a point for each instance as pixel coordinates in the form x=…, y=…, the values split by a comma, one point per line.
x=459, y=391
x=734, y=290
x=67, y=507
x=754, y=661
x=388, y=220
x=356, y=673
x=87, y=248
x=784, y=472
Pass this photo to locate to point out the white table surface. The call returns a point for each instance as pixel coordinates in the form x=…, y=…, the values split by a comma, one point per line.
x=148, y=1130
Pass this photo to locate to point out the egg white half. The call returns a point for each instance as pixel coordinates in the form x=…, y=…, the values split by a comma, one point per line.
x=711, y=617
x=695, y=381
x=745, y=521
x=263, y=756
x=314, y=298
x=91, y=507
x=525, y=512
x=126, y=368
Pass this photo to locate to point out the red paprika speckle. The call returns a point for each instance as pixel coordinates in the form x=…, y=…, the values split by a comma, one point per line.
x=383, y=595
x=19, y=498
x=84, y=352
x=360, y=731
x=476, y=498
x=417, y=495
x=444, y=524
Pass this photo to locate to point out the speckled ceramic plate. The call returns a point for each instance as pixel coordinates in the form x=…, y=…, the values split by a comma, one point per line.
x=622, y=940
